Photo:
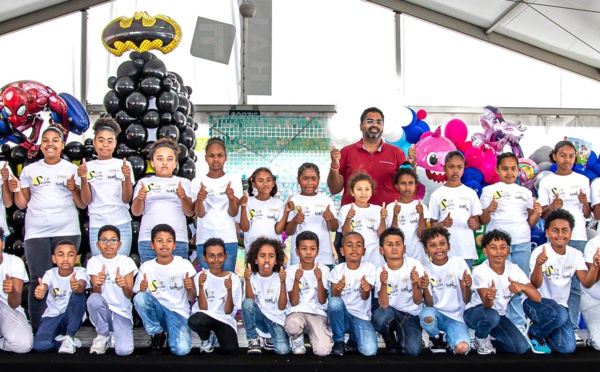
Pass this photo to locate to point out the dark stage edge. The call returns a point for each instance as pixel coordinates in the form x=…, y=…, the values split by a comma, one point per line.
x=585, y=359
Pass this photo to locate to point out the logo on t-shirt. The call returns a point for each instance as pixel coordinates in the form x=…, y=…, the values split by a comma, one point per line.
x=552, y=272
x=91, y=176
x=498, y=194
x=40, y=181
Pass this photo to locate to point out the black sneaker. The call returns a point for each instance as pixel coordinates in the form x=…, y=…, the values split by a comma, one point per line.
x=338, y=349
x=351, y=346
x=437, y=345
x=158, y=343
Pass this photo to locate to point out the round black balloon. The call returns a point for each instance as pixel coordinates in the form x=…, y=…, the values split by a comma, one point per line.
x=19, y=154
x=124, y=119
x=5, y=149
x=196, y=126
x=139, y=63
x=179, y=120
x=167, y=84
x=192, y=155
x=136, y=135
x=135, y=55
x=145, y=151
x=154, y=67
x=183, y=152
x=176, y=76
x=127, y=68
x=167, y=101
x=192, y=109
x=88, y=151
x=135, y=228
x=18, y=218
x=165, y=118
x=168, y=131
x=112, y=102
x=74, y=150
x=18, y=248
x=138, y=164
x=125, y=86
x=122, y=151
x=146, y=56
x=150, y=86
x=136, y=104
x=184, y=105
x=188, y=137
x=111, y=82
x=151, y=119
x=88, y=141
x=187, y=169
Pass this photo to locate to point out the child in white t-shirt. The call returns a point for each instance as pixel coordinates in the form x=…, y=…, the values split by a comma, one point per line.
x=163, y=197
x=265, y=307
x=590, y=299
x=107, y=186
x=262, y=214
x=349, y=308
x=313, y=211
x=219, y=297
x=65, y=303
x=164, y=288
x=307, y=284
x=457, y=208
x=366, y=219
x=446, y=289
x=398, y=289
x=408, y=214
x=111, y=275
x=6, y=194
x=554, y=266
x=511, y=207
x=216, y=203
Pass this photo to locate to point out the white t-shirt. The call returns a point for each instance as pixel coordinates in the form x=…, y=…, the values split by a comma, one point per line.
x=308, y=290
x=483, y=276
x=106, y=183
x=3, y=223
x=51, y=210
x=408, y=222
x=313, y=208
x=163, y=205
x=461, y=202
x=165, y=283
x=399, y=287
x=112, y=293
x=511, y=214
x=444, y=286
x=14, y=267
x=567, y=188
x=558, y=272
x=59, y=290
x=595, y=195
x=216, y=295
x=262, y=215
x=366, y=222
x=588, y=254
x=217, y=223
x=266, y=295
x=355, y=305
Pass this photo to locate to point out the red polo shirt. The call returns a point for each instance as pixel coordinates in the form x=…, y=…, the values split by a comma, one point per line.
x=380, y=165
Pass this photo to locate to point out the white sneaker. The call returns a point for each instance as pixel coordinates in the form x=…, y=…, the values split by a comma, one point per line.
x=579, y=341
x=298, y=345
x=484, y=346
x=68, y=344
x=206, y=347
x=100, y=344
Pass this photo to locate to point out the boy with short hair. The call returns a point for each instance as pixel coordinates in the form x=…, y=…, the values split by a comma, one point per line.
x=65, y=304
x=349, y=308
x=164, y=288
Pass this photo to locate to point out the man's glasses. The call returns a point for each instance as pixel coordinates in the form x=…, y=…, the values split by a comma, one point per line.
x=112, y=241
x=371, y=122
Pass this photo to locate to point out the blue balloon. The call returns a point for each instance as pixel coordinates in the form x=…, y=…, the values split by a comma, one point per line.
x=475, y=186
x=590, y=174
x=413, y=133
x=596, y=169
x=423, y=125
x=472, y=174
x=579, y=168
x=80, y=121
x=592, y=160
x=538, y=235
x=553, y=168
x=414, y=117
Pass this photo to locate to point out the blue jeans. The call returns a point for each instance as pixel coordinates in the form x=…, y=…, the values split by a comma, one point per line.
x=157, y=318
x=519, y=255
x=361, y=331
x=126, y=237
x=487, y=322
x=575, y=295
x=106, y=322
x=146, y=253
x=551, y=322
x=67, y=323
x=254, y=318
x=231, y=250
x=456, y=332
x=408, y=332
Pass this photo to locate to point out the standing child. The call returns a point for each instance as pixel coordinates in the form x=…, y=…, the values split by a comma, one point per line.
x=265, y=307
x=164, y=288
x=216, y=203
x=495, y=282
x=107, y=186
x=511, y=207
x=163, y=197
x=457, y=208
x=17, y=336
x=313, y=211
x=109, y=305
x=554, y=266
x=349, y=308
x=262, y=214
x=364, y=218
x=219, y=297
x=307, y=284
x=408, y=214
x=6, y=194
x=446, y=289
x=590, y=299
x=400, y=296
x=568, y=190
x=65, y=302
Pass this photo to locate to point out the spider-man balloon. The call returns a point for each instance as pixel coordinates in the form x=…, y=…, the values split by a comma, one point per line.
x=21, y=102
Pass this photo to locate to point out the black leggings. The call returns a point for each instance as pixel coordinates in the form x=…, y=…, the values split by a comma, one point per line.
x=202, y=324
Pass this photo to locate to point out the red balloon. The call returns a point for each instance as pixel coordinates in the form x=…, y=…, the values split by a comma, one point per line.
x=474, y=157
x=421, y=114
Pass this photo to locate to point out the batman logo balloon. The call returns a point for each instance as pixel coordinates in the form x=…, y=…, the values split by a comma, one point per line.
x=141, y=33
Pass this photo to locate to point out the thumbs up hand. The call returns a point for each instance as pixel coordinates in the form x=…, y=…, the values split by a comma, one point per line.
x=82, y=170
x=351, y=212
x=582, y=197
x=596, y=258
x=299, y=273
x=144, y=284
x=188, y=282
x=493, y=205
x=299, y=216
x=414, y=276
x=336, y=155
x=71, y=183
x=397, y=208
x=473, y=223
x=14, y=184
x=383, y=276
x=318, y=273
x=74, y=282
x=101, y=277
x=491, y=292
x=244, y=200
x=289, y=205
x=8, y=284
x=542, y=257
x=467, y=279
x=119, y=279
x=282, y=275
x=364, y=285
x=126, y=170
x=5, y=173
x=248, y=272
x=229, y=191
x=180, y=191
x=41, y=289
x=228, y=282
x=424, y=283
x=383, y=214
x=557, y=202
x=327, y=214
x=202, y=278
x=341, y=284
x=142, y=193
x=412, y=154
x=515, y=287
x=203, y=193
x=419, y=208
x=447, y=221
x=537, y=207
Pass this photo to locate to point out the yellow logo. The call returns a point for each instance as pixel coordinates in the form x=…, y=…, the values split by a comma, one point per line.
x=498, y=194
x=38, y=180
x=91, y=175
x=251, y=214
x=549, y=270
x=149, y=187
x=443, y=204
x=153, y=286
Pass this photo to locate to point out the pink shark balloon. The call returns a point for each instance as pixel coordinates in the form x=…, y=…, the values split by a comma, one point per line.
x=431, y=152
